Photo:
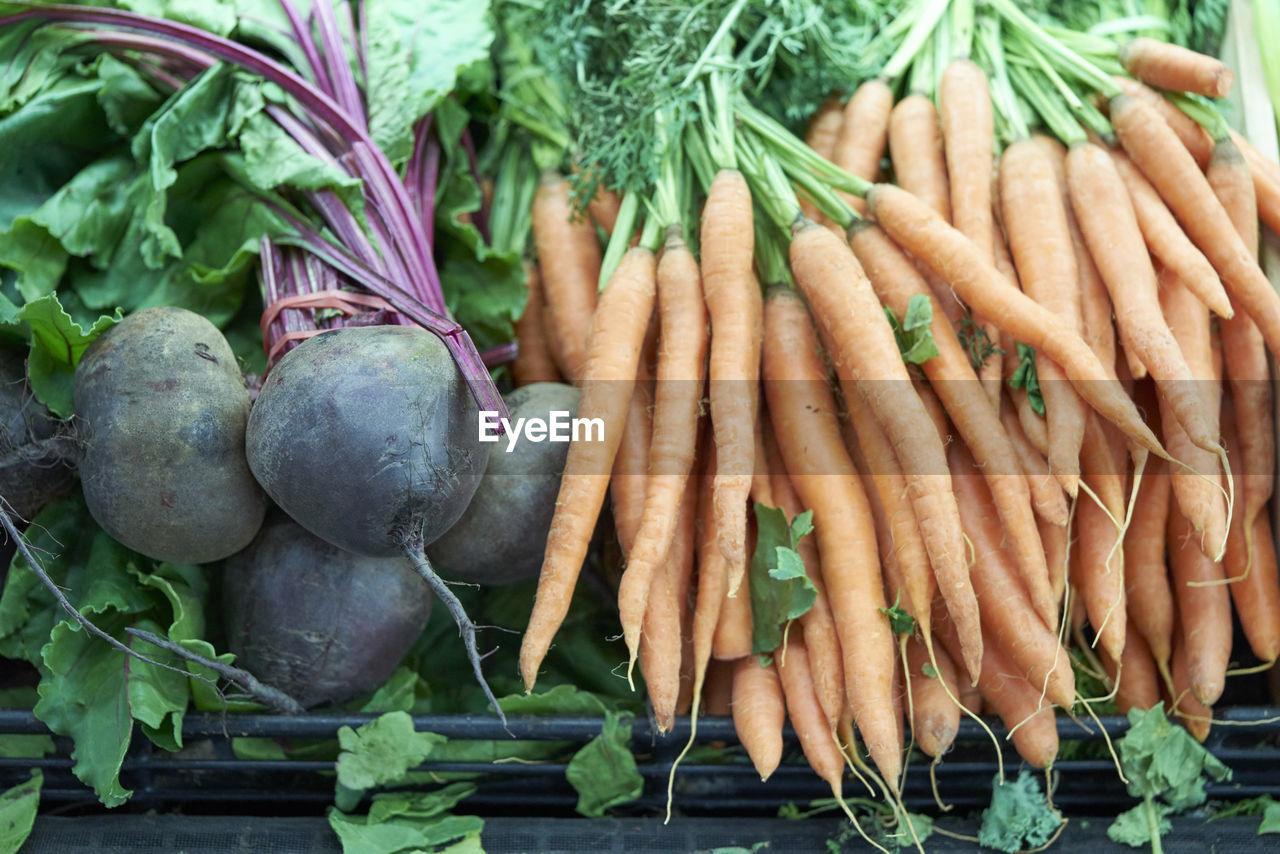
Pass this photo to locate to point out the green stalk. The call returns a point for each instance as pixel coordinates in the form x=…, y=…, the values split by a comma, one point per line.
x=772, y=258
x=1052, y=111
x=717, y=46
x=821, y=194
x=961, y=21
x=621, y=237
x=1066, y=59
x=717, y=115
x=1010, y=122
x=652, y=236
x=1204, y=113
x=924, y=20
x=1083, y=110
x=770, y=188
x=792, y=150
x=698, y=157
x=1266, y=18
x=923, y=79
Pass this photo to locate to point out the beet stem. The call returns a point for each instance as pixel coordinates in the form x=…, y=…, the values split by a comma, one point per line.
x=275, y=699
x=414, y=549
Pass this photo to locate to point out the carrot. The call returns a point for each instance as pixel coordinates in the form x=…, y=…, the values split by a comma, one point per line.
x=968, y=135
x=604, y=207
x=1199, y=496
x=951, y=377
x=1204, y=609
x=1194, y=138
x=681, y=364
x=1266, y=181
x=733, y=636
x=864, y=133
x=533, y=363
x=1036, y=225
x=1101, y=562
x=1250, y=564
x=630, y=474
x=1008, y=619
x=1156, y=150
x=1147, y=587
x=1196, y=716
x=864, y=350
x=1095, y=302
x=817, y=737
x=946, y=251
x=1171, y=66
x=661, y=644
x=935, y=719
x=733, y=305
x=613, y=354
x=915, y=147
x=1138, y=683
x=759, y=713
x=569, y=259
x=886, y=488
x=822, y=638
x=1055, y=538
x=1110, y=227
x=1166, y=239
x=1016, y=700
x=803, y=414
x=1047, y=498
x=824, y=130
x=1244, y=352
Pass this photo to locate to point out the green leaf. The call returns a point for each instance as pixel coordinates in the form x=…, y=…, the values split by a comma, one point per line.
x=273, y=159
x=18, y=808
x=448, y=835
x=419, y=805
x=1141, y=826
x=57, y=342
x=900, y=621
x=1270, y=818
x=1019, y=816
x=1025, y=377
x=382, y=751
x=976, y=342
x=604, y=772
x=914, y=335
x=125, y=97
x=780, y=588
x=560, y=700
x=1162, y=760
x=85, y=697
x=412, y=65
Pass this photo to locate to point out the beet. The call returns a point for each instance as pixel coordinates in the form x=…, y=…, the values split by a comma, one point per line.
x=317, y=622
x=368, y=437
x=502, y=536
x=164, y=408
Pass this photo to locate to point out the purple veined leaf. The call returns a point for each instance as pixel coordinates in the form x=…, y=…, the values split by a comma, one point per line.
x=500, y=355
x=302, y=35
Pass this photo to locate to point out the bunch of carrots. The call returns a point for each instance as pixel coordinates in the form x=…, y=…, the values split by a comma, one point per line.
x=1082, y=451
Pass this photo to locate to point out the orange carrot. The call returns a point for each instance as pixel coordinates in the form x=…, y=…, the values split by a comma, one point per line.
x=1266, y=181
x=1055, y=538
x=1100, y=569
x=533, y=363
x=1199, y=496
x=1171, y=66
x=1194, y=138
x=1047, y=497
x=733, y=635
x=1036, y=225
x=951, y=377
x=1244, y=352
x=926, y=236
x=569, y=259
x=817, y=738
x=823, y=640
x=1106, y=216
x=604, y=207
x=630, y=474
x=824, y=130
x=1155, y=150
x=864, y=134
x=803, y=414
x=1139, y=683
x=613, y=354
x=1166, y=239
x=681, y=366
x=1203, y=609
x=717, y=691
x=1251, y=563
x=864, y=350
x=935, y=718
x=733, y=304
x=1008, y=618
x=661, y=644
x=968, y=135
x=1196, y=716
x=915, y=147
x=759, y=713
